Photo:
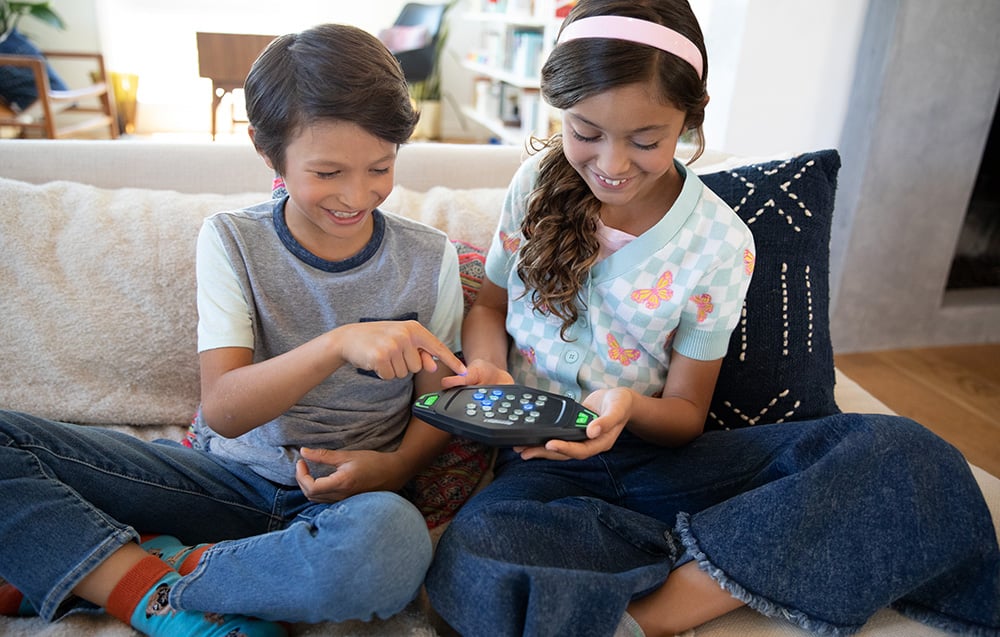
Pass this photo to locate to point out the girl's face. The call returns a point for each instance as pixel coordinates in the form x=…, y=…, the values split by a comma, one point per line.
x=336, y=174
x=622, y=143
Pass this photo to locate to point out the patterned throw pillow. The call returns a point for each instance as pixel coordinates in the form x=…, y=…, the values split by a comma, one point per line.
x=471, y=269
x=779, y=366
x=440, y=489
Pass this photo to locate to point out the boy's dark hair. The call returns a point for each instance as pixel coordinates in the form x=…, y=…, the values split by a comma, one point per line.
x=560, y=224
x=328, y=72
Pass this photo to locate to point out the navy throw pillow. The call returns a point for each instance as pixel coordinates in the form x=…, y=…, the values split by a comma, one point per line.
x=17, y=83
x=779, y=366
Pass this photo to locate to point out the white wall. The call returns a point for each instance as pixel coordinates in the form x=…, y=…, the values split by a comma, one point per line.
x=780, y=72
x=81, y=33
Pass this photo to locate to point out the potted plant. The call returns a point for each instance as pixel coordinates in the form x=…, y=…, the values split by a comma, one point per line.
x=12, y=12
x=426, y=94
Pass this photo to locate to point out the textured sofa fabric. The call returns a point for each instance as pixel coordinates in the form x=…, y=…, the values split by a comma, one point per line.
x=115, y=263
x=119, y=265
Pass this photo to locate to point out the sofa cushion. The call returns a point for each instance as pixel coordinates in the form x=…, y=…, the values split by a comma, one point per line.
x=779, y=366
x=98, y=319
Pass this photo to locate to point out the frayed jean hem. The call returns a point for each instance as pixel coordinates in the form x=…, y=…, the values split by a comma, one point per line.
x=758, y=603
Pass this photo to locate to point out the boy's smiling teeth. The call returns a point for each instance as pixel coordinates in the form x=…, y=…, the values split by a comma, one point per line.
x=340, y=214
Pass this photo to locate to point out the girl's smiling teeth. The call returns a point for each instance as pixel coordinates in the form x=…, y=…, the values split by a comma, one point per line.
x=614, y=183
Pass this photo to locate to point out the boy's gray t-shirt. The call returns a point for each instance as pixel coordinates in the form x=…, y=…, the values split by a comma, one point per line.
x=294, y=296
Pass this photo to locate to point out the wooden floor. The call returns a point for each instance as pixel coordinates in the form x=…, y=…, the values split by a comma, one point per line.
x=954, y=391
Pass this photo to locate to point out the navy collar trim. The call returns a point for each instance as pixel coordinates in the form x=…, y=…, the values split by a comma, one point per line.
x=296, y=248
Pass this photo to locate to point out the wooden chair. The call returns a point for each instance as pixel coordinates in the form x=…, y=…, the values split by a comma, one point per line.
x=226, y=58
x=57, y=118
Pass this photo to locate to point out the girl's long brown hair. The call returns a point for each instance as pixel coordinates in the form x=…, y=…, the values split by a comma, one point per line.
x=560, y=224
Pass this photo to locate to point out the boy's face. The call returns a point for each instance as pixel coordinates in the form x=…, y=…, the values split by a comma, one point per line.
x=336, y=174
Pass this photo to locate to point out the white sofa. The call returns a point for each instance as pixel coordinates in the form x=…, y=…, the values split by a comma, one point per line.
x=101, y=266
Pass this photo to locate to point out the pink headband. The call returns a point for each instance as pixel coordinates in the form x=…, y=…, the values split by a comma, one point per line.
x=634, y=30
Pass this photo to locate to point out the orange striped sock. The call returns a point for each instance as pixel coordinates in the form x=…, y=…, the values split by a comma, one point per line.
x=142, y=600
x=134, y=586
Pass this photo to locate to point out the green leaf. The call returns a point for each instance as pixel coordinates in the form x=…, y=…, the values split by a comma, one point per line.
x=12, y=12
x=44, y=13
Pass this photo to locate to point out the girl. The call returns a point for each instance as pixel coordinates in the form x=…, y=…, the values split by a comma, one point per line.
x=616, y=277
x=309, y=364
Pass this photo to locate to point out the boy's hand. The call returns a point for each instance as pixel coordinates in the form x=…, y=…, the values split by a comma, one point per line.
x=357, y=472
x=394, y=349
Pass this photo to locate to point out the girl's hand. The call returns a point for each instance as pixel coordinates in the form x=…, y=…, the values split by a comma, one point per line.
x=356, y=472
x=479, y=372
x=614, y=407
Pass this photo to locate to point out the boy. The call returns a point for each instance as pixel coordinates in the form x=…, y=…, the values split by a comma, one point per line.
x=320, y=317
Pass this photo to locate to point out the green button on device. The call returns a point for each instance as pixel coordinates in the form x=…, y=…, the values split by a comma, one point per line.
x=428, y=400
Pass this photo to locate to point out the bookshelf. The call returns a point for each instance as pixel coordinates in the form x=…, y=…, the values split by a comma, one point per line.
x=515, y=38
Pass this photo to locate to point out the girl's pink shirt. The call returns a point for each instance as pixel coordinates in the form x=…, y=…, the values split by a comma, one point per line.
x=611, y=240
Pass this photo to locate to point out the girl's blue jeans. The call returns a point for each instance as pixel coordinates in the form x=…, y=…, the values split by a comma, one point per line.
x=73, y=495
x=821, y=523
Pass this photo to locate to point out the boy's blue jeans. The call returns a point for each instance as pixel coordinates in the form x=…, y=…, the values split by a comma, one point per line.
x=822, y=523
x=73, y=495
